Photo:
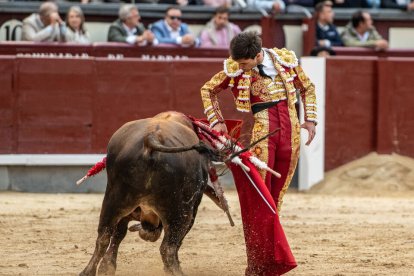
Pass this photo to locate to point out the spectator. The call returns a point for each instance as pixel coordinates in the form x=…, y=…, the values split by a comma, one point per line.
x=219, y=31
x=171, y=30
x=44, y=26
x=274, y=6
x=75, y=31
x=361, y=32
x=128, y=29
x=407, y=5
x=326, y=32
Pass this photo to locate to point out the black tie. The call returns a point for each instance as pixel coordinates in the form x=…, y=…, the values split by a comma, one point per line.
x=261, y=71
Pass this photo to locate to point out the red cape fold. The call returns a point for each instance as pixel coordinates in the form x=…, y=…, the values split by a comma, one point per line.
x=268, y=251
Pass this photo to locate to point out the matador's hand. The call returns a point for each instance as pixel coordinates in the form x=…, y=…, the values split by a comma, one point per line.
x=220, y=127
x=310, y=127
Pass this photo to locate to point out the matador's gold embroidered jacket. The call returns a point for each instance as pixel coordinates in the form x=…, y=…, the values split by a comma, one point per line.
x=249, y=88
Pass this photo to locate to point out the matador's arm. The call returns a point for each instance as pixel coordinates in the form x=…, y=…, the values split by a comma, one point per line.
x=307, y=93
x=209, y=92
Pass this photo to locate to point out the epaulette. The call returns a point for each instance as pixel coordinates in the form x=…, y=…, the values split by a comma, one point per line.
x=231, y=68
x=285, y=57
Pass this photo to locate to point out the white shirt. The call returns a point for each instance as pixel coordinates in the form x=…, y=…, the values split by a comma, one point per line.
x=131, y=37
x=363, y=37
x=268, y=66
x=174, y=33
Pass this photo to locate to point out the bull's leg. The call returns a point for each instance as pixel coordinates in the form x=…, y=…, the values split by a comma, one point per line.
x=108, y=263
x=104, y=235
x=114, y=208
x=174, y=233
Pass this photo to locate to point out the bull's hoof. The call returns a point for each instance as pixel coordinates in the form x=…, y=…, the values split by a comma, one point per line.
x=106, y=268
x=173, y=271
x=86, y=272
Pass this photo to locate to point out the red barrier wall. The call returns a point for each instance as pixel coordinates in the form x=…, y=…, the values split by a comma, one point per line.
x=53, y=109
x=350, y=109
x=396, y=99
x=7, y=104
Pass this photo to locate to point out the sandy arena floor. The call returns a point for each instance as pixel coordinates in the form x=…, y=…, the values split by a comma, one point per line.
x=359, y=221
x=44, y=234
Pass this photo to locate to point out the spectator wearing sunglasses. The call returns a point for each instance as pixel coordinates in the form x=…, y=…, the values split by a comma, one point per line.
x=171, y=30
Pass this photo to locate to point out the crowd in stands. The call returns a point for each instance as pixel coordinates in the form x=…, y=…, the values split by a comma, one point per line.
x=276, y=5
x=47, y=25
x=359, y=32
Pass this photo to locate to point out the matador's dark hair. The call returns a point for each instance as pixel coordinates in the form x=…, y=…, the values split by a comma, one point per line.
x=245, y=45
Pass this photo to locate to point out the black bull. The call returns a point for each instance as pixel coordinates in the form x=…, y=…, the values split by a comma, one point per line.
x=147, y=183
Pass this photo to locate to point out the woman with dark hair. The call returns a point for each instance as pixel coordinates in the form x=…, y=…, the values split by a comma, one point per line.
x=76, y=31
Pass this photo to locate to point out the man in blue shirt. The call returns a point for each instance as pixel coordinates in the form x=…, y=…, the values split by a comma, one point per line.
x=171, y=30
x=326, y=32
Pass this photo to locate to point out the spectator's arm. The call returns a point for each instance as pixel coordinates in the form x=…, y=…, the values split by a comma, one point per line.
x=336, y=41
x=30, y=34
x=115, y=35
x=376, y=35
x=158, y=34
x=351, y=41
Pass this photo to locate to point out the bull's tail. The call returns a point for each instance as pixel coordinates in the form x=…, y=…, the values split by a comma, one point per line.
x=152, y=143
x=97, y=168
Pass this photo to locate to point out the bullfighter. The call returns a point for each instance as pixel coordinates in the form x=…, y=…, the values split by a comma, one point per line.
x=265, y=81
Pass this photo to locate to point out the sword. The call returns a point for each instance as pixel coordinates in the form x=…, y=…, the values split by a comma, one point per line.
x=260, y=193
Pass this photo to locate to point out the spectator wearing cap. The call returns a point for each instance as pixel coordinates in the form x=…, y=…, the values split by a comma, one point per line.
x=128, y=29
x=44, y=26
x=326, y=33
x=171, y=29
x=219, y=31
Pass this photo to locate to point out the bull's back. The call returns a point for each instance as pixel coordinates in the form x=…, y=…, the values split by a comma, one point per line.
x=131, y=162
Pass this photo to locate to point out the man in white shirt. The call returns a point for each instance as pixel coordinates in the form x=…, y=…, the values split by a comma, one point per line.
x=127, y=28
x=45, y=26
